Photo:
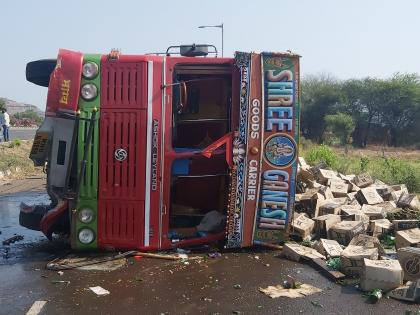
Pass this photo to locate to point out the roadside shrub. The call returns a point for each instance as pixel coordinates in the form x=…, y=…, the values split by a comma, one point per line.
x=399, y=172
x=322, y=153
x=364, y=161
x=15, y=143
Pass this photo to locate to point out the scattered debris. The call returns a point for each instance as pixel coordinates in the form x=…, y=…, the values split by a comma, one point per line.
x=268, y=245
x=13, y=239
x=60, y=282
x=317, y=304
x=374, y=296
x=99, y=291
x=279, y=290
x=409, y=292
x=214, y=255
x=362, y=223
x=334, y=263
x=330, y=268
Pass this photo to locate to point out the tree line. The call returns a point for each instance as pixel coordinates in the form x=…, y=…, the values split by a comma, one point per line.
x=362, y=111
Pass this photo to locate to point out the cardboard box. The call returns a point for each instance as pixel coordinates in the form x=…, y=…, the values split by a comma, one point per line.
x=352, y=259
x=339, y=188
x=398, y=190
x=409, y=292
x=368, y=196
x=329, y=207
x=367, y=241
x=324, y=223
x=295, y=252
x=309, y=202
x=409, y=258
x=381, y=274
x=303, y=226
x=363, y=180
x=409, y=201
x=385, y=192
x=379, y=227
x=326, y=192
x=347, y=178
x=355, y=215
x=350, y=209
x=302, y=163
x=324, y=175
x=343, y=232
x=407, y=238
x=400, y=225
x=328, y=248
x=352, y=199
x=373, y=212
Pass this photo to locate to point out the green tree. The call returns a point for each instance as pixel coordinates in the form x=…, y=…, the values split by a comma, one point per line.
x=341, y=126
x=364, y=98
x=321, y=95
x=401, y=106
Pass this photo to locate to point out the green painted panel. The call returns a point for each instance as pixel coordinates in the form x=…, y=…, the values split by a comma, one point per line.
x=89, y=184
x=88, y=193
x=91, y=204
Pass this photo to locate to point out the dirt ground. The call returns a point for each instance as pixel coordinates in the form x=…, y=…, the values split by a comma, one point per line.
x=228, y=284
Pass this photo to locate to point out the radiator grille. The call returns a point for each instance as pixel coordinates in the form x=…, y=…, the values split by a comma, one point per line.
x=120, y=223
x=124, y=85
x=122, y=130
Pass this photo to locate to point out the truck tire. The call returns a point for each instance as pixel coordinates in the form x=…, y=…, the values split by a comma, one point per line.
x=38, y=72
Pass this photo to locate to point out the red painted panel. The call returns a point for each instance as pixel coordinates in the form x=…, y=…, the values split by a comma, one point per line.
x=124, y=84
x=122, y=129
x=120, y=224
x=63, y=90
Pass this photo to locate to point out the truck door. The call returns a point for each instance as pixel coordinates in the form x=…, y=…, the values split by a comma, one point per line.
x=198, y=113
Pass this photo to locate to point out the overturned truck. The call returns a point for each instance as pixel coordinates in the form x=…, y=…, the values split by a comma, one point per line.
x=159, y=151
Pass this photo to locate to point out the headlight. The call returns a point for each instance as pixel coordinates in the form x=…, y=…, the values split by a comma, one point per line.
x=90, y=70
x=86, y=236
x=86, y=215
x=89, y=91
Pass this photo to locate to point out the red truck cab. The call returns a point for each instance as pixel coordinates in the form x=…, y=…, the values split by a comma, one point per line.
x=150, y=150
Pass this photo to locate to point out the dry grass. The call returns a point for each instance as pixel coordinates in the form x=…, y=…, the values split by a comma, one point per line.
x=16, y=155
x=379, y=151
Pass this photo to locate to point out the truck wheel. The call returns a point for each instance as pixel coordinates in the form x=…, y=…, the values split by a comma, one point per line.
x=38, y=72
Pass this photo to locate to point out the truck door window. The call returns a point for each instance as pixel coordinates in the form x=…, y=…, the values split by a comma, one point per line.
x=205, y=116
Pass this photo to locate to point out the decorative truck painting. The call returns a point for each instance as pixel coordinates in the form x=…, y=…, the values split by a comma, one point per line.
x=168, y=150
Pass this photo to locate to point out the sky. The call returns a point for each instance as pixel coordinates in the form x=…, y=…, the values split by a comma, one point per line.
x=345, y=39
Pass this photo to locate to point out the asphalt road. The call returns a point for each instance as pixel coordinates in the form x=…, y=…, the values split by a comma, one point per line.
x=228, y=284
x=20, y=133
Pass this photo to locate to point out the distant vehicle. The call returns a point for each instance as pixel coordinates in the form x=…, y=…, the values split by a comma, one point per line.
x=142, y=151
